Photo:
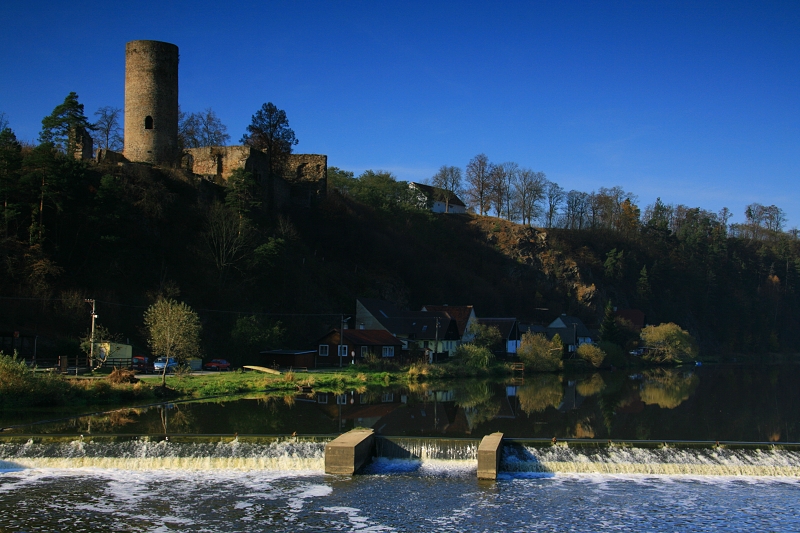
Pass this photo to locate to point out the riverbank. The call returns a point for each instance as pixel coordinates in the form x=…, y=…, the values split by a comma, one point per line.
x=22, y=387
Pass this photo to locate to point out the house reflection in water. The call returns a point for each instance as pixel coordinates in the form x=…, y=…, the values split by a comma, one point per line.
x=397, y=412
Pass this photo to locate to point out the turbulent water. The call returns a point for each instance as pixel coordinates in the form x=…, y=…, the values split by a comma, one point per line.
x=280, y=486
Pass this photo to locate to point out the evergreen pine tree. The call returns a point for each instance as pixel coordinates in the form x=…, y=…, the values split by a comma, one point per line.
x=643, y=285
x=609, y=331
x=60, y=126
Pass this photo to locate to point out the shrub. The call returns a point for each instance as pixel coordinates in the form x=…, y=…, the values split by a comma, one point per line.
x=668, y=343
x=19, y=385
x=540, y=354
x=591, y=354
x=615, y=355
x=474, y=356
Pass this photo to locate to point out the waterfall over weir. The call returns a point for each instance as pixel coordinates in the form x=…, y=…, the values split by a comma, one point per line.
x=425, y=456
x=624, y=459
x=144, y=454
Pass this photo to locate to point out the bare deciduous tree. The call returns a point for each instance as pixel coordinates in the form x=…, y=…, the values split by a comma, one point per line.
x=555, y=196
x=529, y=189
x=198, y=130
x=497, y=188
x=228, y=238
x=109, y=130
x=575, y=208
x=478, y=184
x=448, y=184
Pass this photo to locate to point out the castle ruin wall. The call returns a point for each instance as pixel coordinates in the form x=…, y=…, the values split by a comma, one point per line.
x=151, y=102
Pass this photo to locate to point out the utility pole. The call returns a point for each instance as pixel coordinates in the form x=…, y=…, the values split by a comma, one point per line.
x=91, y=337
x=341, y=342
x=436, y=347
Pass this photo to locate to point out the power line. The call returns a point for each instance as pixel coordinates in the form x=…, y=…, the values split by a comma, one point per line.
x=222, y=311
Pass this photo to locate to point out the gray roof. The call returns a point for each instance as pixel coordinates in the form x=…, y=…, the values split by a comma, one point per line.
x=419, y=325
x=506, y=326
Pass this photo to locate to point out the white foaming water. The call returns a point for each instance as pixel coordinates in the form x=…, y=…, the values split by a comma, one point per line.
x=286, y=455
x=427, y=448
x=561, y=459
x=419, y=457
x=421, y=467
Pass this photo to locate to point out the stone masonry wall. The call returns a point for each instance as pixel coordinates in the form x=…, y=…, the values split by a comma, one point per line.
x=151, y=102
x=308, y=175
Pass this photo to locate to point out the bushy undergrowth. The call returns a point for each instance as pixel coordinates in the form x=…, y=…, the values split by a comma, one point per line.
x=540, y=354
x=420, y=371
x=20, y=386
x=474, y=356
x=592, y=354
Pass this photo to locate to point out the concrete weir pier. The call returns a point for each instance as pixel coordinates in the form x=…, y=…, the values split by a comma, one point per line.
x=348, y=452
x=489, y=453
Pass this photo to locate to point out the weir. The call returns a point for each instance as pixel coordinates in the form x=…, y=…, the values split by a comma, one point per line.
x=348, y=452
x=489, y=453
x=399, y=455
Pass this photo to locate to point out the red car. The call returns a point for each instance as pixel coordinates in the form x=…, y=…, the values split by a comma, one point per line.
x=141, y=363
x=218, y=365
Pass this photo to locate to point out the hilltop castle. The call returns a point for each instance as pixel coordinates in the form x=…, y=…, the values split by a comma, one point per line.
x=151, y=134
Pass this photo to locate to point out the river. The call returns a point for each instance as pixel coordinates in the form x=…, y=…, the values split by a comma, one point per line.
x=230, y=464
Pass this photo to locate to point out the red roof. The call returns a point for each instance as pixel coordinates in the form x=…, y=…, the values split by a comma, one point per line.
x=370, y=337
x=459, y=313
x=634, y=316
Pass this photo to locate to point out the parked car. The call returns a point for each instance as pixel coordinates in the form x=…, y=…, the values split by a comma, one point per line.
x=172, y=364
x=141, y=363
x=217, y=364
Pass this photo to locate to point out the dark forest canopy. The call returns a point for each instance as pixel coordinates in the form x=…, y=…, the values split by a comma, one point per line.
x=125, y=235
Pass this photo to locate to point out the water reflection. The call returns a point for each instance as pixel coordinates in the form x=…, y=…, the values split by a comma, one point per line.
x=709, y=403
x=667, y=387
x=540, y=392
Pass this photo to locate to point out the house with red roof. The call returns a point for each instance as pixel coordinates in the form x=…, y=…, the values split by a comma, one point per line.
x=356, y=345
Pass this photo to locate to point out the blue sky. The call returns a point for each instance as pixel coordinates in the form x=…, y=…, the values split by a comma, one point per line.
x=695, y=102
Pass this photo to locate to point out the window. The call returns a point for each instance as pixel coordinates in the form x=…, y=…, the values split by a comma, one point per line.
x=387, y=397
x=363, y=398
x=148, y=122
x=341, y=399
x=323, y=350
x=388, y=351
x=342, y=350
x=322, y=398
x=364, y=351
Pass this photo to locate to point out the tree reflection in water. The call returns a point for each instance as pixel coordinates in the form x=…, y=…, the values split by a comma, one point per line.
x=667, y=387
x=540, y=392
x=591, y=385
x=478, y=399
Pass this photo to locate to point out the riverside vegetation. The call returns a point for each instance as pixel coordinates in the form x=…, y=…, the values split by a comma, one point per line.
x=21, y=386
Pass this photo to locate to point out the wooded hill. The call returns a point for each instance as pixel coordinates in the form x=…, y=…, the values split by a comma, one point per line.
x=125, y=235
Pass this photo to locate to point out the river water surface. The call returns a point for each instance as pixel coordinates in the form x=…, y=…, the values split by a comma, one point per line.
x=231, y=464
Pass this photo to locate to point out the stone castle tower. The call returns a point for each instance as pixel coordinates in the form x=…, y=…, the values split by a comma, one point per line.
x=151, y=102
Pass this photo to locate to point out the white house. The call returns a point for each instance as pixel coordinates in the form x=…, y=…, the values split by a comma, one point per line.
x=438, y=200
